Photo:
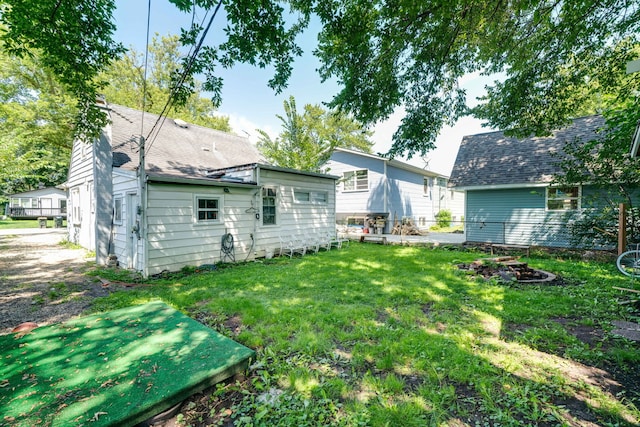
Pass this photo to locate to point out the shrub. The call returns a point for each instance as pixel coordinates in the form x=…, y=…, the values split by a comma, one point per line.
x=443, y=218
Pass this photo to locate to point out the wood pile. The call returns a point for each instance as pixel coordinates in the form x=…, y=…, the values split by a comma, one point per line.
x=407, y=228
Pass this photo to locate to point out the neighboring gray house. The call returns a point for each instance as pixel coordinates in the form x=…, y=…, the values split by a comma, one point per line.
x=507, y=181
x=45, y=202
x=198, y=186
x=372, y=186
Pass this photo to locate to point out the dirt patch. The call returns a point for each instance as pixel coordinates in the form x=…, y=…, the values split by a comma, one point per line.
x=41, y=280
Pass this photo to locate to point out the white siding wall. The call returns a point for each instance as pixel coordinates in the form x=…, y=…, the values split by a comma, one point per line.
x=296, y=218
x=80, y=219
x=125, y=244
x=175, y=239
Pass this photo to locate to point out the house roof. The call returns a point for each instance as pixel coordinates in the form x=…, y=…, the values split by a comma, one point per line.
x=395, y=163
x=494, y=160
x=175, y=149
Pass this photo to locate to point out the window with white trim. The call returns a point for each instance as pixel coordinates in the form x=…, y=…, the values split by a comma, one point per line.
x=306, y=196
x=117, y=210
x=207, y=209
x=269, y=204
x=357, y=180
x=427, y=186
x=563, y=198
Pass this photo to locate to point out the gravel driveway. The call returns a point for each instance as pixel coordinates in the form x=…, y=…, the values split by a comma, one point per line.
x=42, y=281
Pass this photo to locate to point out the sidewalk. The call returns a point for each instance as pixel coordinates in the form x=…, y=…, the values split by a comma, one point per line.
x=438, y=238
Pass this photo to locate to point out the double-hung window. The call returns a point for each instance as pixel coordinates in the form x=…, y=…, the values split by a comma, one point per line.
x=357, y=180
x=269, y=204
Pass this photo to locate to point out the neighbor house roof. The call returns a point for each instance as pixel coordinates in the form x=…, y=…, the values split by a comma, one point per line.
x=490, y=160
x=175, y=149
x=393, y=162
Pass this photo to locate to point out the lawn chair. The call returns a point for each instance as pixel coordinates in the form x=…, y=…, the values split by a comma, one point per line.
x=291, y=246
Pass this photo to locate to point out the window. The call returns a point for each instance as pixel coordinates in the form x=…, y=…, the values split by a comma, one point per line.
x=563, y=198
x=319, y=197
x=356, y=180
x=426, y=187
x=117, y=210
x=269, y=205
x=75, y=205
x=304, y=196
x=63, y=205
x=301, y=196
x=208, y=209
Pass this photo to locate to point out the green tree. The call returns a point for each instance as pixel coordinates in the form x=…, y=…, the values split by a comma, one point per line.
x=604, y=163
x=126, y=84
x=308, y=140
x=36, y=126
x=385, y=53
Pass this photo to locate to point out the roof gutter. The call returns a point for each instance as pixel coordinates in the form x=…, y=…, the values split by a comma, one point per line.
x=197, y=181
x=499, y=186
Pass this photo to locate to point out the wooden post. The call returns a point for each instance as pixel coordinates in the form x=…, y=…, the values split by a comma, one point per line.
x=622, y=228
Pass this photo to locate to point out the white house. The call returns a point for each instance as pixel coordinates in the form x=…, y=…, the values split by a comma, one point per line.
x=372, y=186
x=202, y=196
x=44, y=202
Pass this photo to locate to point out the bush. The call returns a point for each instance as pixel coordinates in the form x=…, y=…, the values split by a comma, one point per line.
x=443, y=218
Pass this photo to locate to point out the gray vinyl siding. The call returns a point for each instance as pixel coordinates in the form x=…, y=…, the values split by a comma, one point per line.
x=102, y=197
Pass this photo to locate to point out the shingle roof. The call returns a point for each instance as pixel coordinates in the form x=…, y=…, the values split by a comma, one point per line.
x=178, y=149
x=493, y=159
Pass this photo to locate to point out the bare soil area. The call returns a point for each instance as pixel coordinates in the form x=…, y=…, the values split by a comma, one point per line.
x=41, y=280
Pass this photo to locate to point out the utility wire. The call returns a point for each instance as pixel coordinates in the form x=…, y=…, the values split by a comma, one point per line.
x=160, y=121
x=144, y=76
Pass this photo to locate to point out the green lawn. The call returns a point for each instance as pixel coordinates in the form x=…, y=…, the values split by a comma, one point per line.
x=399, y=336
x=25, y=223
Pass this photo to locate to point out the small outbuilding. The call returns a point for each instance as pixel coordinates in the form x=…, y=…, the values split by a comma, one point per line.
x=186, y=195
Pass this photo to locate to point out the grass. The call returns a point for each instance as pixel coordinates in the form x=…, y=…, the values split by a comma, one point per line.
x=397, y=335
x=25, y=223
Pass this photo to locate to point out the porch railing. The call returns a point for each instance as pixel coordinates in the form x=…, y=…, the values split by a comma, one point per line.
x=30, y=213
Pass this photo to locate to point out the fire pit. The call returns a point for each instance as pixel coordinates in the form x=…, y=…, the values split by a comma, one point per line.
x=508, y=269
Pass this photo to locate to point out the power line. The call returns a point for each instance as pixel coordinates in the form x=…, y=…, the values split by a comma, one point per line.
x=144, y=76
x=191, y=59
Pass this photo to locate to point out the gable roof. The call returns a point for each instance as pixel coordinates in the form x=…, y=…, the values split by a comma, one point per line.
x=175, y=149
x=495, y=160
x=393, y=162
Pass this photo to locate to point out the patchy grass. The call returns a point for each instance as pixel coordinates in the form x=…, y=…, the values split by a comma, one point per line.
x=26, y=223
x=396, y=335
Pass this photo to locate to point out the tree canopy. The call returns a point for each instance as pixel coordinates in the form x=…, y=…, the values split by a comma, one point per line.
x=127, y=84
x=384, y=53
x=308, y=140
x=36, y=126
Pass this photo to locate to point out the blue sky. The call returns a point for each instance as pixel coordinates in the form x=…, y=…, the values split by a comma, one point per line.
x=251, y=104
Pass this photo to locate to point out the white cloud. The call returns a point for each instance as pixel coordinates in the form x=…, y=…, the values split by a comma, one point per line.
x=244, y=126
